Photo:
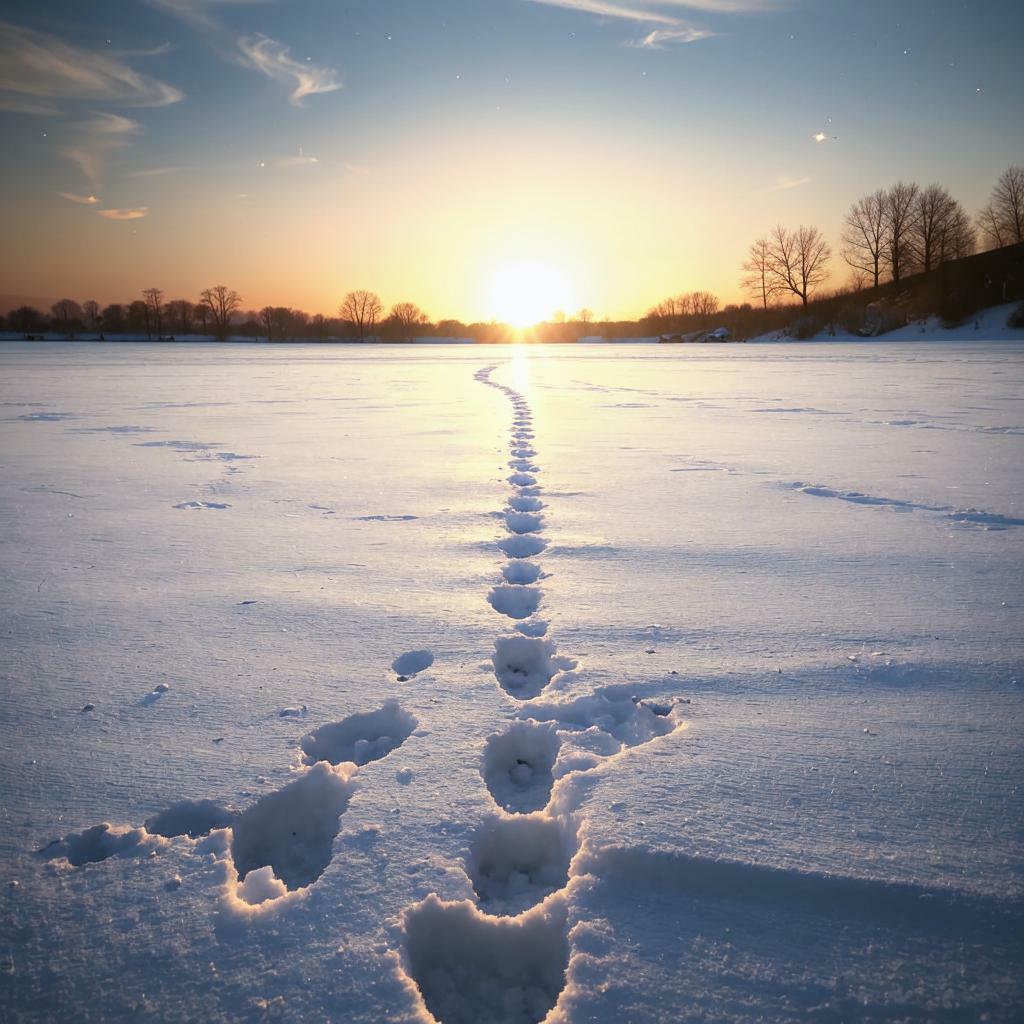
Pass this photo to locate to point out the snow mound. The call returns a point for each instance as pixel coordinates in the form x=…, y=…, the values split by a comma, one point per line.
x=192, y=818
x=518, y=764
x=514, y=601
x=474, y=969
x=292, y=830
x=360, y=739
x=522, y=480
x=515, y=861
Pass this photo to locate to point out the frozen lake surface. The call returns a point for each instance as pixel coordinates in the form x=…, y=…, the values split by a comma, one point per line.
x=632, y=684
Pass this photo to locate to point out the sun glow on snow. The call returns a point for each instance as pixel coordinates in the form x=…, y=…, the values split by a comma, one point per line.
x=524, y=294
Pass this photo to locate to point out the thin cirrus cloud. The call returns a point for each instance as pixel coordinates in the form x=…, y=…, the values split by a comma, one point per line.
x=48, y=70
x=132, y=214
x=95, y=139
x=256, y=51
x=273, y=59
x=784, y=183
x=298, y=160
x=671, y=29
x=73, y=197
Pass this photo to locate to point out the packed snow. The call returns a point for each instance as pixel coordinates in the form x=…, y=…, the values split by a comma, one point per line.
x=513, y=684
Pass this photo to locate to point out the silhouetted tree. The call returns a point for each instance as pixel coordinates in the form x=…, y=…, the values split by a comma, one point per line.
x=318, y=325
x=900, y=211
x=1001, y=221
x=222, y=303
x=865, y=236
x=959, y=238
x=26, y=320
x=703, y=305
x=138, y=318
x=154, y=299
x=361, y=309
x=67, y=316
x=91, y=312
x=936, y=223
x=585, y=316
x=113, y=318
x=759, y=281
x=407, y=317
x=179, y=313
x=798, y=260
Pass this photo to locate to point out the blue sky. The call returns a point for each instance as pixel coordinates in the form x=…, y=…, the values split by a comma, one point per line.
x=299, y=148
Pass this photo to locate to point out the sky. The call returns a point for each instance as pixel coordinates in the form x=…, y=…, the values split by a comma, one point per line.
x=298, y=149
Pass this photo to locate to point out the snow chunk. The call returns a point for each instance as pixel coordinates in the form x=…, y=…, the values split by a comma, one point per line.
x=100, y=842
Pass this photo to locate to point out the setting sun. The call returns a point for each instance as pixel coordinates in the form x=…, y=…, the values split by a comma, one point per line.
x=524, y=294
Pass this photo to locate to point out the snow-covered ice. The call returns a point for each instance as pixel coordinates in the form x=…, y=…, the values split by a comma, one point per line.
x=512, y=684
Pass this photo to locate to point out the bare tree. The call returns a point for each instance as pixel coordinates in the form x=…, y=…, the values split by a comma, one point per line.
x=585, y=316
x=408, y=316
x=68, y=315
x=900, y=206
x=1007, y=207
x=26, y=319
x=798, y=260
x=266, y=319
x=362, y=309
x=703, y=305
x=91, y=311
x=935, y=211
x=154, y=299
x=179, y=313
x=113, y=318
x=959, y=238
x=991, y=227
x=222, y=304
x=759, y=281
x=864, y=245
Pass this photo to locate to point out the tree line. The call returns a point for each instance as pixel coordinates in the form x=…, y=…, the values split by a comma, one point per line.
x=887, y=236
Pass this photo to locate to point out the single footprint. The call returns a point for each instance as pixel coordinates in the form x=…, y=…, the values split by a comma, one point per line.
x=514, y=601
x=412, y=662
x=524, y=665
x=521, y=573
x=475, y=969
x=518, y=765
x=99, y=842
x=286, y=839
x=522, y=545
x=515, y=861
x=359, y=738
x=192, y=818
x=524, y=522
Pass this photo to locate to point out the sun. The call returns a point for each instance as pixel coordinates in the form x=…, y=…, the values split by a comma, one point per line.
x=524, y=294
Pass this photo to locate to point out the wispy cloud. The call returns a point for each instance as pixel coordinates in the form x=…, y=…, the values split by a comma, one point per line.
x=661, y=38
x=37, y=108
x=72, y=197
x=256, y=51
x=664, y=11
x=299, y=160
x=46, y=68
x=273, y=59
x=95, y=139
x=784, y=183
x=133, y=214
x=153, y=172
x=671, y=28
